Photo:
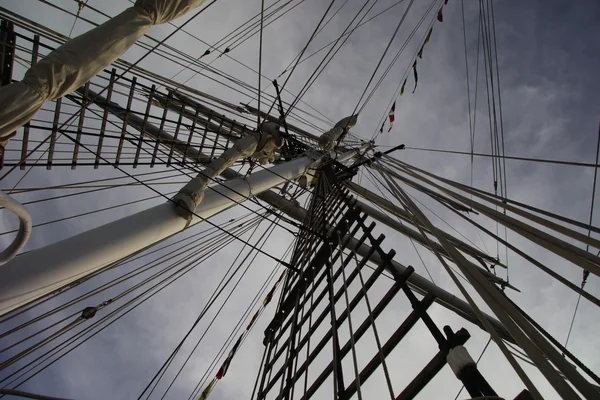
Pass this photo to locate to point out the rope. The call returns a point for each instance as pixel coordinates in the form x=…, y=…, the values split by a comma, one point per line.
x=27, y=395
x=476, y=363
x=260, y=49
x=383, y=56
x=316, y=72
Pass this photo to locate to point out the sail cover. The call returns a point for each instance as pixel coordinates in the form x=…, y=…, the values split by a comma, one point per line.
x=78, y=60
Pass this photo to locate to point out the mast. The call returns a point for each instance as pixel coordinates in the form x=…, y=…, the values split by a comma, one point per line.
x=416, y=281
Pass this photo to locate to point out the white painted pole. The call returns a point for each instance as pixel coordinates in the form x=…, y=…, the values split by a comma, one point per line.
x=39, y=272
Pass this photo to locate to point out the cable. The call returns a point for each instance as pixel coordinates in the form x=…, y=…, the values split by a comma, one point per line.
x=476, y=363
x=383, y=55
x=538, y=160
x=80, y=6
x=262, y=20
x=65, y=343
x=316, y=72
x=216, y=293
x=586, y=273
x=27, y=395
x=398, y=219
x=312, y=36
x=207, y=240
x=112, y=299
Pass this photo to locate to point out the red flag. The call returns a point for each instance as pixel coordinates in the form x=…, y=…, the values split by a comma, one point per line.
x=392, y=116
x=253, y=320
x=223, y=370
x=440, y=16
x=445, y=1
x=281, y=277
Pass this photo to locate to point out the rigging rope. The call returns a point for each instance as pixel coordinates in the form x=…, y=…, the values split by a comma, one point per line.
x=216, y=293
x=182, y=271
x=586, y=273
x=383, y=56
x=210, y=241
x=260, y=293
x=260, y=50
x=313, y=77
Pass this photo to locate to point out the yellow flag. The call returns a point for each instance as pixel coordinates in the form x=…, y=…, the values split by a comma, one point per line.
x=428, y=36
x=207, y=390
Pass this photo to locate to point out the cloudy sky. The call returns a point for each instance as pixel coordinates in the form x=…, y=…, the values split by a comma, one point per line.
x=548, y=62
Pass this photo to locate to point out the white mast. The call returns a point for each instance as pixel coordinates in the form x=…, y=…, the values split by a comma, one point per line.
x=42, y=271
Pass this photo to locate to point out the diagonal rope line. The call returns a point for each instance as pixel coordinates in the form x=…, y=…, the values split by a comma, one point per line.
x=384, y=54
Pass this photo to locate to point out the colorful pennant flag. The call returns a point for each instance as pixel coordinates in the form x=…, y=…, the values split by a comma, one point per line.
x=403, y=86
x=269, y=296
x=207, y=390
x=416, y=75
x=225, y=366
x=425, y=42
x=223, y=370
x=392, y=116
x=253, y=320
x=281, y=277
x=440, y=16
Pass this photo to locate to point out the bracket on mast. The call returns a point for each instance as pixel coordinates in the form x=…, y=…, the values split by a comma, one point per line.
x=259, y=145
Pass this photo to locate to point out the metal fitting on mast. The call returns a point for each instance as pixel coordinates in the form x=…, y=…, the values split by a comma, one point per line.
x=259, y=145
x=329, y=139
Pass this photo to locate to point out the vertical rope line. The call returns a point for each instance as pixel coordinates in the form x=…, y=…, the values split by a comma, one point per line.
x=260, y=48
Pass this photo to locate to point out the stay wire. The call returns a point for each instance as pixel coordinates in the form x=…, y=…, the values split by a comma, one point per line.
x=345, y=34
x=383, y=56
x=217, y=314
x=296, y=60
x=66, y=343
x=587, y=248
x=476, y=363
x=398, y=219
x=376, y=131
x=19, y=393
x=528, y=159
x=112, y=300
x=313, y=77
x=312, y=36
x=272, y=228
x=217, y=44
x=236, y=330
x=28, y=306
x=205, y=240
x=260, y=51
x=462, y=5
x=216, y=293
x=80, y=6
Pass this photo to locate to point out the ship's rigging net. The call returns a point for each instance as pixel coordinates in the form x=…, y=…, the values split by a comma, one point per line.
x=313, y=344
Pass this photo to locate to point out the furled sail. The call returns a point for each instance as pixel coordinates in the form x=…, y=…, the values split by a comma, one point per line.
x=78, y=60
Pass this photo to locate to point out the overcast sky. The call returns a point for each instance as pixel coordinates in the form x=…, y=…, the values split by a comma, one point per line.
x=548, y=61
